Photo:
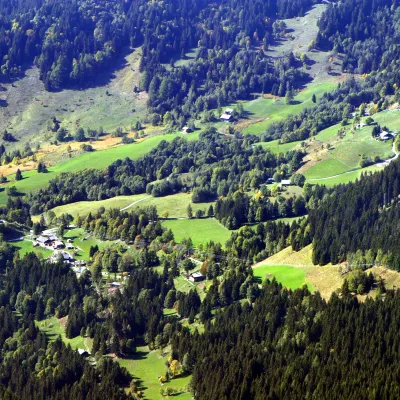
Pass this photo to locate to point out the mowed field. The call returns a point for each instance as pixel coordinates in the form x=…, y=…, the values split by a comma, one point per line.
x=201, y=231
x=26, y=246
x=290, y=277
x=32, y=181
x=324, y=279
x=346, y=154
x=175, y=205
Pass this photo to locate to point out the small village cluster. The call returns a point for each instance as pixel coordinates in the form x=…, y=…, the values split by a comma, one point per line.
x=52, y=242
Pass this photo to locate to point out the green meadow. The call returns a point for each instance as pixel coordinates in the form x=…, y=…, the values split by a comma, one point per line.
x=201, y=231
x=32, y=181
x=26, y=246
x=53, y=328
x=80, y=239
x=290, y=277
x=147, y=366
x=175, y=205
x=276, y=110
x=345, y=177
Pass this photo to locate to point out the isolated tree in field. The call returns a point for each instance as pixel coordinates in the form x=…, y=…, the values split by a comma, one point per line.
x=18, y=175
x=165, y=214
x=189, y=211
x=376, y=130
x=41, y=168
x=314, y=98
x=288, y=97
x=199, y=213
x=210, y=212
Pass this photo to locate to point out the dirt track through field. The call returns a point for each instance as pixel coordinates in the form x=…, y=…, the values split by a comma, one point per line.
x=135, y=202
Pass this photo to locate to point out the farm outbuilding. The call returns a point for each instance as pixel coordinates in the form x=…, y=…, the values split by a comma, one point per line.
x=196, y=277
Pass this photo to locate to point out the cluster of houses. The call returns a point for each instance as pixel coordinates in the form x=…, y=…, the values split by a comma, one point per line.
x=52, y=242
x=383, y=134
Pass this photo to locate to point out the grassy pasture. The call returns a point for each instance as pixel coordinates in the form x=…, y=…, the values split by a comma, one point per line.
x=109, y=101
x=324, y=279
x=147, y=366
x=53, y=328
x=277, y=110
x=345, y=177
x=32, y=181
x=81, y=239
x=199, y=230
x=345, y=154
x=290, y=277
x=25, y=247
x=176, y=205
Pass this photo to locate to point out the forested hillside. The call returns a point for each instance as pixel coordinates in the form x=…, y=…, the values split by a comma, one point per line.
x=362, y=219
x=296, y=346
x=214, y=263
x=212, y=166
x=366, y=32
x=72, y=41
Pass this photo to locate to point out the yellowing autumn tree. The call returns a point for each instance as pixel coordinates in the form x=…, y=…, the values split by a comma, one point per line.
x=175, y=366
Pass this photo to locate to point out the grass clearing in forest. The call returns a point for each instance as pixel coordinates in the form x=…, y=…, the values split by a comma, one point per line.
x=290, y=277
x=274, y=110
x=109, y=101
x=83, y=241
x=53, y=327
x=146, y=366
x=201, y=231
x=324, y=279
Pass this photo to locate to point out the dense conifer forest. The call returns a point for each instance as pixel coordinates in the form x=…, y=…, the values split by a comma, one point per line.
x=366, y=32
x=295, y=345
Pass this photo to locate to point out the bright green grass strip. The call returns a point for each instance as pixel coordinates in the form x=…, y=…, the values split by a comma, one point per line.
x=326, y=168
x=346, y=177
x=99, y=159
x=199, y=230
x=278, y=110
x=26, y=247
x=290, y=277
